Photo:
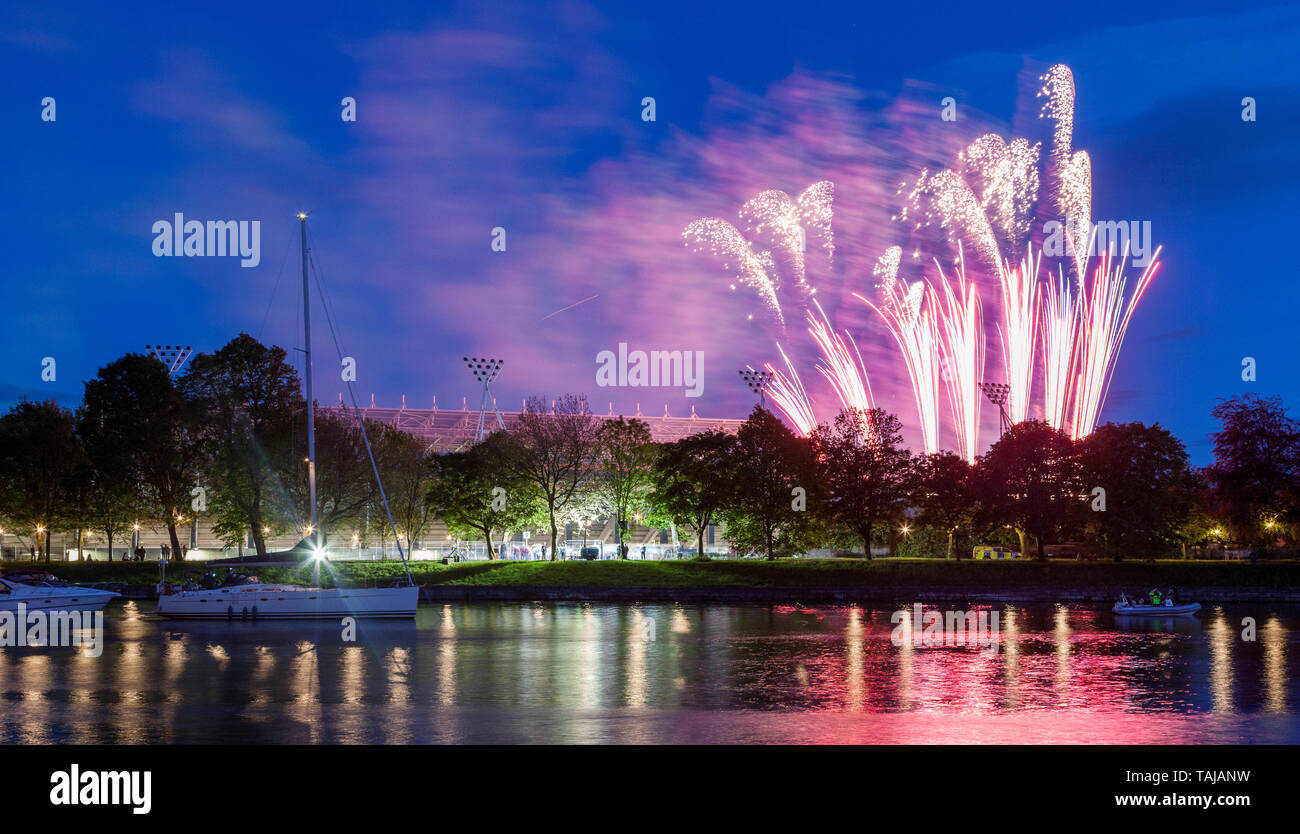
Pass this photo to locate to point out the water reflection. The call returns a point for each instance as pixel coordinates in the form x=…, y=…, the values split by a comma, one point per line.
x=672, y=673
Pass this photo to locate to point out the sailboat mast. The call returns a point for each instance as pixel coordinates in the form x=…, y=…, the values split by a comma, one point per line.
x=311, y=405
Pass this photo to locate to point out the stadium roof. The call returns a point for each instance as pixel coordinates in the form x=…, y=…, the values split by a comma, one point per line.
x=451, y=429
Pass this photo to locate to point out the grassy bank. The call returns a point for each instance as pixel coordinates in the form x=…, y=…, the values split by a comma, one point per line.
x=785, y=573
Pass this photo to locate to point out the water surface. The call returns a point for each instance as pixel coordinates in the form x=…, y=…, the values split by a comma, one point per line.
x=593, y=673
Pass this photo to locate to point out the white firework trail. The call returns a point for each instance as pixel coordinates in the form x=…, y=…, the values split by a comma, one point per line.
x=772, y=213
x=844, y=370
x=789, y=395
x=961, y=344
x=1060, y=329
x=1018, y=331
x=725, y=241
x=914, y=328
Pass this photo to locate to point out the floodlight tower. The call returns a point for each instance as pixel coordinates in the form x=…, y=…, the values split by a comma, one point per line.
x=757, y=382
x=173, y=357
x=485, y=371
x=998, y=393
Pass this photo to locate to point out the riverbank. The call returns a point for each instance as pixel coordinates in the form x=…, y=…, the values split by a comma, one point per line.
x=783, y=580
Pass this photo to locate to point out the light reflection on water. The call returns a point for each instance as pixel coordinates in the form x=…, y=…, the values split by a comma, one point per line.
x=586, y=673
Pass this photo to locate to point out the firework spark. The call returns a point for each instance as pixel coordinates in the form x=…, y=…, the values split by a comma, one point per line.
x=1060, y=329
x=724, y=240
x=817, y=212
x=955, y=206
x=1019, y=330
x=1103, y=320
x=914, y=328
x=1005, y=177
x=847, y=377
x=1071, y=171
x=961, y=344
x=789, y=395
x=774, y=215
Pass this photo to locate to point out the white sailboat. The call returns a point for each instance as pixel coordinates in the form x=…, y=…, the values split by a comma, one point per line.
x=243, y=597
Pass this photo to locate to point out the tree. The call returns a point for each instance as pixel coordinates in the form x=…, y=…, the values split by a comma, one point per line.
x=1029, y=480
x=772, y=479
x=345, y=481
x=1255, y=478
x=139, y=435
x=691, y=482
x=865, y=467
x=406, y=466
x=249, y=397
x=554, y=452
x=478, y=491
x=942, y=495
x=40, y=456
x=621, y=482
x=1148, y=489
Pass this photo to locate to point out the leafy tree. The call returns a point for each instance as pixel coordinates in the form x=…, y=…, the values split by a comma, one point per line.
x=763, y=510
x=691, y=481
x=1255, y=478
x=942, y=495
x=478, y=491
x=1149, y=488
x=866, y=469
x=249, y=397
x=406, y=465
x=553, y=453
x=621, y=481
x=40, y=457
x=1030, y=481
x=345, y=482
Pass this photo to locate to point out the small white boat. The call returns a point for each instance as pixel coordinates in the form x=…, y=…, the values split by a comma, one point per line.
x=253, y=600
x=41, y=591
x=1129, y=609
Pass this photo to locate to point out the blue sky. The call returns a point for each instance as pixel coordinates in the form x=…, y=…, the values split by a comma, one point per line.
x=528, y=117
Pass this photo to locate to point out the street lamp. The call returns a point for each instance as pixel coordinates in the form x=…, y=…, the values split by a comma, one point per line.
x=485, y=371
x=998, y=393
x=758, y=381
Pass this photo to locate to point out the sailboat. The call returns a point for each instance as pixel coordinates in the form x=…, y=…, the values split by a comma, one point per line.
x=244, y=597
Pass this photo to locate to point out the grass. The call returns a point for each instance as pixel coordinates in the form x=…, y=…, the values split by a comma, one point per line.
x=782, y=573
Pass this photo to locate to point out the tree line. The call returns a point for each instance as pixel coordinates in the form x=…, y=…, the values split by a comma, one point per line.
x=226, y=439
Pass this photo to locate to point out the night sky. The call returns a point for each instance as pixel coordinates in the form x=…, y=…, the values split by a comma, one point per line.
x=474, y=116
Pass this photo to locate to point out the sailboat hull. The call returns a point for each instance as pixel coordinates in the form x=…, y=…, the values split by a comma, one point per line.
x=289, y=602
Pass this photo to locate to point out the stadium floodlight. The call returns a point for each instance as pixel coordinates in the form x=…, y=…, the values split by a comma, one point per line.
x=173, y=357
x=485, y=371
x=999, y=393
x=758, y=381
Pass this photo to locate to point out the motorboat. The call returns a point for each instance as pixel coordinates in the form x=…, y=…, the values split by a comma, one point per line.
x=241, y=597
x=41, y=591
x=1126, y=608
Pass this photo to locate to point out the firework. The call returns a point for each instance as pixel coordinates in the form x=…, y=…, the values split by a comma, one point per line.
x=724, y=240
x=788, y=394
x=913, y=327
x=1005, y=178
x=847, y=377
x=1019, y=330
x=961, y=344
x=773, y=214
x=1104, y=317
x=955, y=206
x=816, y=212
x=1060, y=329
x=1071, y=171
